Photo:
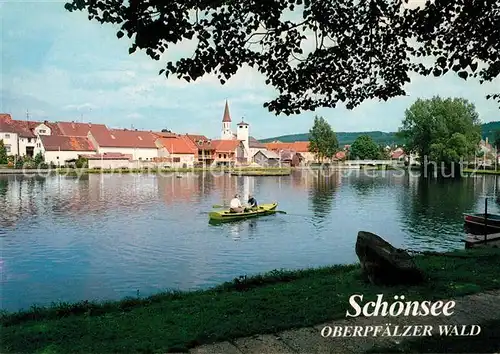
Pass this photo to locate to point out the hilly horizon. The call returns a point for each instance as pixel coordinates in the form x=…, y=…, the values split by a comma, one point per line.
x=382, y=138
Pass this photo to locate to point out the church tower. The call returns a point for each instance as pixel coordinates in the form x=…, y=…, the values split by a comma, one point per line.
x=227, y=134
x=243, y=135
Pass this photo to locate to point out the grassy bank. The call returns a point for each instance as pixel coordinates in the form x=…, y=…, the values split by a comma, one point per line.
x=262, y=304
x=487, y=342
x=260, y=173
x=81, y=171
x=481, y=172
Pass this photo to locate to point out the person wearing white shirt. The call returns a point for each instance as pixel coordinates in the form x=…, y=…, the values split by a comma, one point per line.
x=235, y=205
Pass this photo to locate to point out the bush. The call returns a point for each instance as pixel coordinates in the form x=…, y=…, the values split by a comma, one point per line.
x=82, y=163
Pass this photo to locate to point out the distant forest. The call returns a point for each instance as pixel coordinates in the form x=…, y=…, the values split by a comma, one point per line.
x=382, y=138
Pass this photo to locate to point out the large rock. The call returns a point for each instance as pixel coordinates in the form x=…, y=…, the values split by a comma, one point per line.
x=384, y=264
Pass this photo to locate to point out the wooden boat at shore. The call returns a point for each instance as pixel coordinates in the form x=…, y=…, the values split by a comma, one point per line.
x=226, y=215
x=477, y=220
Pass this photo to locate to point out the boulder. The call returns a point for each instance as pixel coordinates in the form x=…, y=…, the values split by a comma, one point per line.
x=383, y=264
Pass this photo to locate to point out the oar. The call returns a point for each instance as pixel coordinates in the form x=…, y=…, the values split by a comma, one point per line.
x=218, y=206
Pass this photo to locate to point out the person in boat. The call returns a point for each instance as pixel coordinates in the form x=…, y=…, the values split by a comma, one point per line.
x=235, y=205
x=252, y=202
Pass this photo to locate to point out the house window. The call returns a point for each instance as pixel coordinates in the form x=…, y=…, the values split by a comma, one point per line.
x=220, y=156
x=29, y=140
x=7, y=136
x=7, y=148
x=177, y=159
x=42, y=131
x=225, y=155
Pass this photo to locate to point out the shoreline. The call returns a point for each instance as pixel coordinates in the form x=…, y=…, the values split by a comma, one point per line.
x=259, y=304
x=481, y=172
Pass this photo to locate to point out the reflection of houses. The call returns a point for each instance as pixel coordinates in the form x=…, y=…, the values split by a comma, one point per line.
x=227, y=186
x=172, y=190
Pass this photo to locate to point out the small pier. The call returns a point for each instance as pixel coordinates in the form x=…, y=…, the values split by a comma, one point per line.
x=485, y=239
x=490, y=240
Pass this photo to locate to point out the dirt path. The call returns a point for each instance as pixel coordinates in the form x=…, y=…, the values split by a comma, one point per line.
x=469, y=310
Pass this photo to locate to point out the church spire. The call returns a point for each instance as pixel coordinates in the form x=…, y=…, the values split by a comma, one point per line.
x=226, y=118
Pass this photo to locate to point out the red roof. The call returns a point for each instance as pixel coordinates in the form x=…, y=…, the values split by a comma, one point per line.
x=397, y=154
x=226, y=118
x=81, y=129
x=21, y=127
x=299, y=146
x=125, y=138
x=66, y=143
x=340, y=155
x=54, y=128
x=177, y=145
x=225, y=145
x=201, y=141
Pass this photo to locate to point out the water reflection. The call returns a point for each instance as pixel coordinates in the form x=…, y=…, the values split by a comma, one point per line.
x=322, y=193
x=105, y=236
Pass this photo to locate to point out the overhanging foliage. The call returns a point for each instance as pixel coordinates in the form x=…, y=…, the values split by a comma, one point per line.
x=363, y=49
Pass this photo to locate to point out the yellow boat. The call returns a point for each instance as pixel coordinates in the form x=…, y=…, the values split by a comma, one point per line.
x=226, y=215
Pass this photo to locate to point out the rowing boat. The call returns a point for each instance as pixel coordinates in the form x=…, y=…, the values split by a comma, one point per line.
x=476, y=220
x=226, y=215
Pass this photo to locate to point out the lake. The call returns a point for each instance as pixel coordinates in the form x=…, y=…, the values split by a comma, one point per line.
x=104, y=237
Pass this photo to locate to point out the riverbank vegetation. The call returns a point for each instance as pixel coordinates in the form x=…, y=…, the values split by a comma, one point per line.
x=176, y=321
x=80, y=171
x=443, y=130
x=481, y=171
x=323, y=141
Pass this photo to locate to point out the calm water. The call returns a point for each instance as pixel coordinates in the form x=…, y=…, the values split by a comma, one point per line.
x=106, y=237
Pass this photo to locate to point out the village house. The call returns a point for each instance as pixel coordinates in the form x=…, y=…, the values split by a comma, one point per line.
x=205, y=153
x=398, y=155
x=21, y=137
x=266, y=158
x=112, y=160
x=139, y=144
x=176, y=151
x=298, y=147
x=58, y=149
x=228, y=152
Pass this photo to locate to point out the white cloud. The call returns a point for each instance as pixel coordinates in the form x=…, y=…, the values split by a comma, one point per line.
x=80, y=107
x=135, y=115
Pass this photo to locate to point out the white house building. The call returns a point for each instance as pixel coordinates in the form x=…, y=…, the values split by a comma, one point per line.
x=139, y=144
x=57, y=149
x=176, y=151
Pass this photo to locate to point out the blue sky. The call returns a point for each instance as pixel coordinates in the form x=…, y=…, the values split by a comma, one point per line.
x=60, y=66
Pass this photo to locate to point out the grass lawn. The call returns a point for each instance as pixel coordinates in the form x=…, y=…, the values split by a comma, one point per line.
x=487, y=342
x=255, y=305
x=261, y=170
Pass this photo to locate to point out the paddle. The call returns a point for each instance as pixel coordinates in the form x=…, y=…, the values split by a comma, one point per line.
x=218, y=206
